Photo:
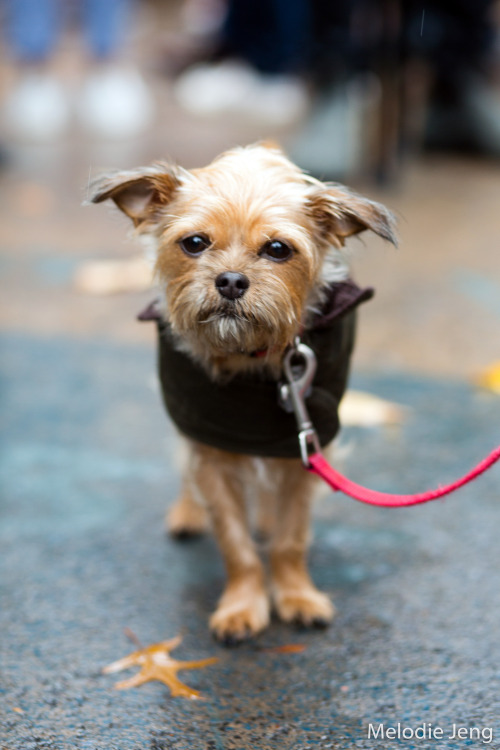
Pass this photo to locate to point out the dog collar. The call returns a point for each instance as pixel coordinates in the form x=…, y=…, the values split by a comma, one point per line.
x=259, y=353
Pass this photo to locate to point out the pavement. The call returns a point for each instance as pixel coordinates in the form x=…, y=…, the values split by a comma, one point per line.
x=88, y=468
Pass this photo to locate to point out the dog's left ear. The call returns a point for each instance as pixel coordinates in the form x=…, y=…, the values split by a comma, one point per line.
x=139, y=193
x=340, y=213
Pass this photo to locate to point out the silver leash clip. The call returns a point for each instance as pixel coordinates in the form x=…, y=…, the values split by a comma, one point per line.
x=299, y=368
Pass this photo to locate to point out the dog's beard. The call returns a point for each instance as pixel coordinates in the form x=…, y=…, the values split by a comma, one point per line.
x=220, y=327
x=232, y=328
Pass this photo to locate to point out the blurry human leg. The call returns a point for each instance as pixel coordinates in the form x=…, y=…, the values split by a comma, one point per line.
x=32, y=29
x=265, y=45
x=115, y=100
x=105, y=26
x=37, y=107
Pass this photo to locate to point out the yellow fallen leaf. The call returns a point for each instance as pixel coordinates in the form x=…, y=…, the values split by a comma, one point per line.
x=490, y=378
x=156, y=664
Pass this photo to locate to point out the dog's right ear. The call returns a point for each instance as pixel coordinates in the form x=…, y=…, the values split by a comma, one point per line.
x=140, y=193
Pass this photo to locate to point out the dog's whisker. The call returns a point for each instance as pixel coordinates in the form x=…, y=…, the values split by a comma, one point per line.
x=89, y=181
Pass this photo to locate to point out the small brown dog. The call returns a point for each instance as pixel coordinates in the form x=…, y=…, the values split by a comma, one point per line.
x=248, y=252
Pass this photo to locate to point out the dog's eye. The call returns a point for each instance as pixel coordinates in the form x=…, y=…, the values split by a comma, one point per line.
x=195, y=244
x=276, y=250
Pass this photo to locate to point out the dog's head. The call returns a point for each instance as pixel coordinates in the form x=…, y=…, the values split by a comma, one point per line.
x=243, y=246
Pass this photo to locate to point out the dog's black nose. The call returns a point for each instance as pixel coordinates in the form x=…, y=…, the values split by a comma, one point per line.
x=232, y=285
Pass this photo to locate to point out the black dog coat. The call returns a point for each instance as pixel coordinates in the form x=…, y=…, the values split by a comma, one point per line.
x=243, y=415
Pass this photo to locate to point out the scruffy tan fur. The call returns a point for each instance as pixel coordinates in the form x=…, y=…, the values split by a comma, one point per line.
x=244, y=200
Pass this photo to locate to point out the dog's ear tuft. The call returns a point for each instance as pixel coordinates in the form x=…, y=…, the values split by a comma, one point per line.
x=340, y=213
x=139, y=193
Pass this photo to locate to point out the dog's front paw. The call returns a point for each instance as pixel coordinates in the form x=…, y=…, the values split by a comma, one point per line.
x=240, y=616
x=305, y=606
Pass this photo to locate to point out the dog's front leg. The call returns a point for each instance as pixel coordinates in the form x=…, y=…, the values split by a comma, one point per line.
x=243, y=609
x=295, y=597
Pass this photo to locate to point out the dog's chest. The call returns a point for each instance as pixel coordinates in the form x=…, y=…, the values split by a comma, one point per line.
x=244, y=415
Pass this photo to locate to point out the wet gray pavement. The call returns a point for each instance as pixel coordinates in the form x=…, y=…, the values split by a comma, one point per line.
x=87, y=469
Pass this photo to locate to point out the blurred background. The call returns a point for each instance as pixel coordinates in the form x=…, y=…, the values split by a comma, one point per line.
x=400, y=99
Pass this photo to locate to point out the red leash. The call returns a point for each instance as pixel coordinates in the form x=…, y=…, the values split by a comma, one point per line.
x=293, y=395
x=320, y=466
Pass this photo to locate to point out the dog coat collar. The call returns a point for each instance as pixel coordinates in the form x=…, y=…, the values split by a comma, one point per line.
x=244, y=414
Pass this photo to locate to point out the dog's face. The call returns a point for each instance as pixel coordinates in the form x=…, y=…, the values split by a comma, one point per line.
x=243, y=246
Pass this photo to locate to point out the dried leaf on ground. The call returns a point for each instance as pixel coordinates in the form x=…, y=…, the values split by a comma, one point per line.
x=360, y=409
x=156, y=664
x=287, y=648
x=490, y=378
